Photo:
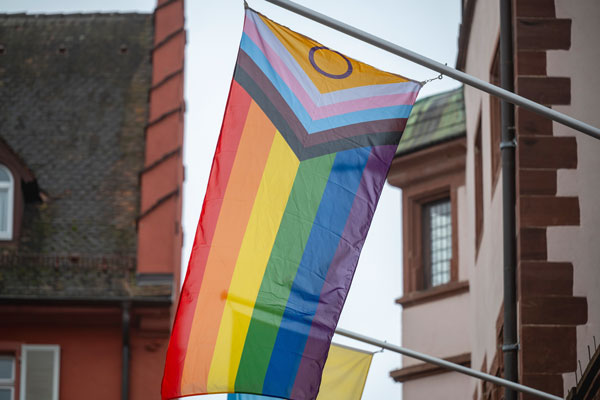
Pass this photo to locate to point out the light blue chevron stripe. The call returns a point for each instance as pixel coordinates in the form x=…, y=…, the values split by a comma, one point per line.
x=314, y=126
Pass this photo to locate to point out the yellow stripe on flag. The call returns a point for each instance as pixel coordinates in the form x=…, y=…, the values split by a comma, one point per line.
x=263, y=225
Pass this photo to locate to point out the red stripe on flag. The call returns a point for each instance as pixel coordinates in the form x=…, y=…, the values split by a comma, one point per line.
x=236, y=111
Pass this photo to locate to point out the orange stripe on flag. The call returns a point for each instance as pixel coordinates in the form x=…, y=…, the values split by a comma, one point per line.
x=240, y=194
x=234, y=121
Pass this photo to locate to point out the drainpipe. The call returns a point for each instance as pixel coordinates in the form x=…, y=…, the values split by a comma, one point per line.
x=510, y=345
x=126, y=306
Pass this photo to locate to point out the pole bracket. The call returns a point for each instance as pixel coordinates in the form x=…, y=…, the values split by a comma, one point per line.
x=510, y=144
x=510, y=347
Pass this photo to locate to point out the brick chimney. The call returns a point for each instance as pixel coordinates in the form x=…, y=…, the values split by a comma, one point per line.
x=159, y=224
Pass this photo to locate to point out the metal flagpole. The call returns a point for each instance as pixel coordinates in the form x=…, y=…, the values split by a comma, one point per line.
x=441, y=68
x=446, y=364
x=468, y=80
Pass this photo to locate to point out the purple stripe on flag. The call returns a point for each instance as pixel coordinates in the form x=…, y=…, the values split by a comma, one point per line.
x=341, y=271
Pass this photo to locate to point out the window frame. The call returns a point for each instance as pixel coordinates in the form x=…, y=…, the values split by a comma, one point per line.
x=495, y=121
x=7, y=235
x=424, y=176
x=55, y=373
x=415, y=274
x=478, y=180
x=12, y=390
x=10, y=383
x=426, y=244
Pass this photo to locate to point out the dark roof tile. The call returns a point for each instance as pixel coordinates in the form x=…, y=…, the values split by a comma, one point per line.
x=73, y=105
x=434, y=119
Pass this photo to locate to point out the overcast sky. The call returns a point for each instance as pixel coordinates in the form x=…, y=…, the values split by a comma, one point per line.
x=429, y=27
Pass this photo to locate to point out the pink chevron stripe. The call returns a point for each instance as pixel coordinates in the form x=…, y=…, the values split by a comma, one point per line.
x=279, y=67
x=363, y=104
x=329, y=110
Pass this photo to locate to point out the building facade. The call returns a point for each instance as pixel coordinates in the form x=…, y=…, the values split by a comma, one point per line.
x=91, y=133
x=452, y=211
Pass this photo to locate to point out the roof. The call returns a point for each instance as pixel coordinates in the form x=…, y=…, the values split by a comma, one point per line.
x=74, y=105
x=28, y=277
x=433, y=120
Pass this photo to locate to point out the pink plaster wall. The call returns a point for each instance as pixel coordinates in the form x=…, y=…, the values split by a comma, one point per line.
x=485, y=267
x=438, y=328
x=580, y=244
x=447, y=386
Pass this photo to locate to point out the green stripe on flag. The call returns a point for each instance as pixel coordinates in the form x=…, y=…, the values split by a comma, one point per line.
x=275, y=288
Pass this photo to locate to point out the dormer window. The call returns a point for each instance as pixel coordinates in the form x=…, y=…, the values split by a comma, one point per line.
x=7, y=194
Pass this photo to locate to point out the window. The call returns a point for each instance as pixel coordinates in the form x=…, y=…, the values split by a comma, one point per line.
x=432, y=182
x=39, y=372
x=7, y=188
x=7, y=377
x=495, y=120
x=478, y=188
x=437, y=242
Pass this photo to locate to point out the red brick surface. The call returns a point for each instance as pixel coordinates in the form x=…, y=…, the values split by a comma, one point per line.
x=531, y=63
x=167, y=20
x=537, y=181
x=543, y=33
x=548, y=349
x=549, y=383
x=543, y=278
x=545, y=90
x=532, y=244
x=547, y=152
x=159, y=232
x=555, y=310
x=534, y=8
x=530, y=123
x=168, y=58
x=540, y=211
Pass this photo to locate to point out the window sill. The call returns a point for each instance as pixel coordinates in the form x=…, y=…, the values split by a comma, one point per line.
x=433, y=294
x=423, y=370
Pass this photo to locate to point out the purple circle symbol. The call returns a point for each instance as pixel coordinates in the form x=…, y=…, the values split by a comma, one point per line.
x=311, y=57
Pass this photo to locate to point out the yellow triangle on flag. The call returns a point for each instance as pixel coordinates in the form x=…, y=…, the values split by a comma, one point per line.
x=345, y=373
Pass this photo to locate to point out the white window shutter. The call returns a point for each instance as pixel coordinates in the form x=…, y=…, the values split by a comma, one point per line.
x=7, y=192
x=40, y=367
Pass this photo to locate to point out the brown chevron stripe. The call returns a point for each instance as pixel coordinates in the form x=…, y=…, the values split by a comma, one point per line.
x=365, y=134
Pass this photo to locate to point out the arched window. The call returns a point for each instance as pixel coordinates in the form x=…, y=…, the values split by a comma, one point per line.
x=7, y=193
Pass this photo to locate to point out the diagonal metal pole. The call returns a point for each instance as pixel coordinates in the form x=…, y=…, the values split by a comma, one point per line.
x=438, y=67
x=447, y=364
x=419, y=356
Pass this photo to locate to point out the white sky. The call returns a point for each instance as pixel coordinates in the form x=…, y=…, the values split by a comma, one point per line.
x=428, y=27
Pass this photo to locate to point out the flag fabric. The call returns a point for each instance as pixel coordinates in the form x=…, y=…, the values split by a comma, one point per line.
x=344, y=375
x=306, y=143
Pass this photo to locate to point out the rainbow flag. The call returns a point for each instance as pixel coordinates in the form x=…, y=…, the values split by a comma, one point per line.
x=307, y=139
x=344, y=375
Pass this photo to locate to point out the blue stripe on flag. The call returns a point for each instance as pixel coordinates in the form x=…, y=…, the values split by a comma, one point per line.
x=322, y=243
